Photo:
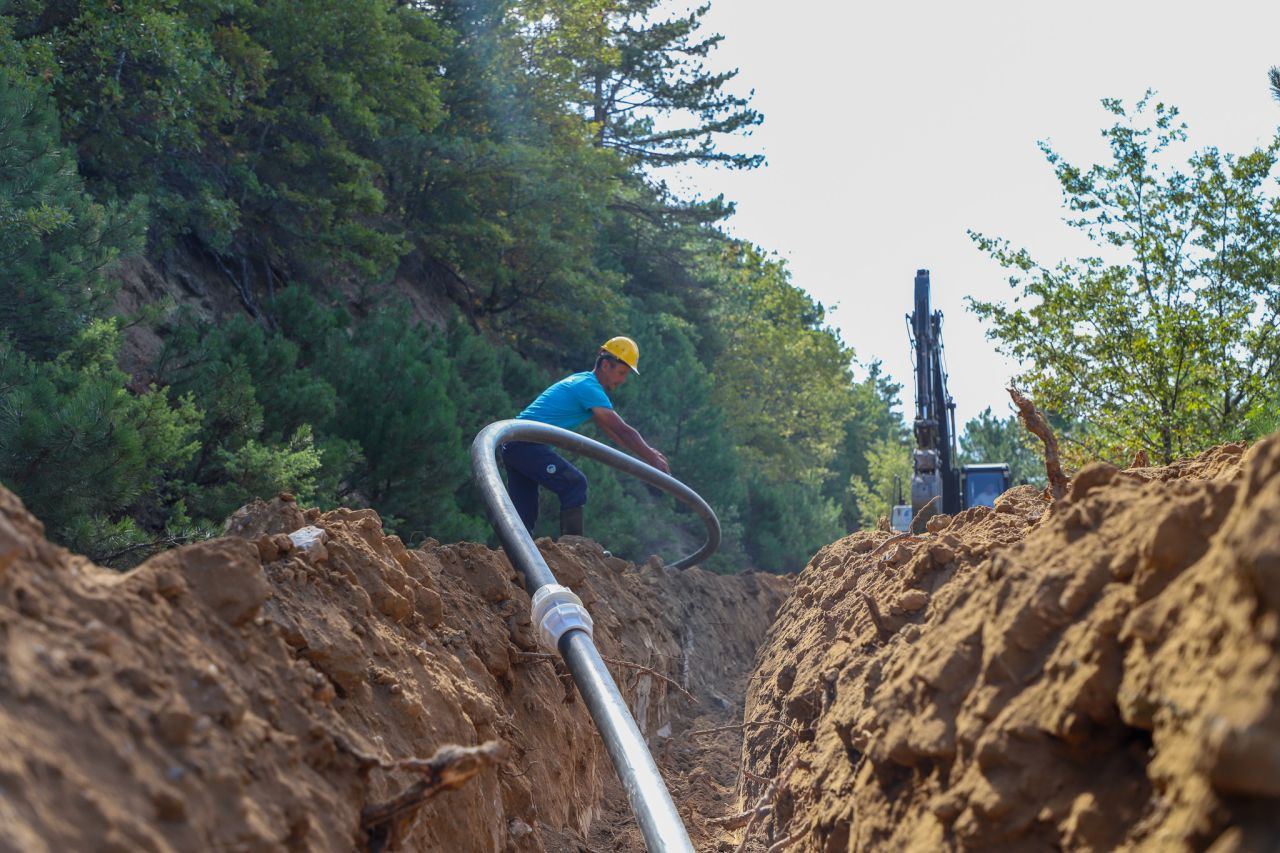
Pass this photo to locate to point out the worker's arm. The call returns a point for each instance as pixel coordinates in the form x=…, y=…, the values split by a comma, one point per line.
x=624, y=435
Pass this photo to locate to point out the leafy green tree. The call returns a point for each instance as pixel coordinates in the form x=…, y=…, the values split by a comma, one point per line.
x=393, y=384
x=782, y=378
x=255, y=127
x=83, y=452
x=639, y=75
x=1167, y=338
x=54, y=241
x=257, y=435
x=875, y=436
x=784, y=523
x=988, y=438
x=80, y=449
x=889, y=469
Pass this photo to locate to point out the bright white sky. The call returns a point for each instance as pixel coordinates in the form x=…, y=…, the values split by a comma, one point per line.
x=891, y=128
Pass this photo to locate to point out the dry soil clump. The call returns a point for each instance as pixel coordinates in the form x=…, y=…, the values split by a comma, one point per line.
x=1099, y=673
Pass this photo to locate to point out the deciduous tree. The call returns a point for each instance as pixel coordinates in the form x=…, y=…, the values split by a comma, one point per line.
x=1166, y=338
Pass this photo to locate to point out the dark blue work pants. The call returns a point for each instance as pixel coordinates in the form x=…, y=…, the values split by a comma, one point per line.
x=530, y=465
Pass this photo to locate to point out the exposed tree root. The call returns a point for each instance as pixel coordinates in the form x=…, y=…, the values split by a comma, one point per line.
x=386, y=825
x=740, y=726
x=764, y=805
x=1036, y=424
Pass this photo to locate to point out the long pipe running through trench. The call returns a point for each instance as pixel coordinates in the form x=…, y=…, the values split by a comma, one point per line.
x=660, y=823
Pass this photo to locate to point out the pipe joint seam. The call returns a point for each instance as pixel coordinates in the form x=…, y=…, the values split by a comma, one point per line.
x=557, y=610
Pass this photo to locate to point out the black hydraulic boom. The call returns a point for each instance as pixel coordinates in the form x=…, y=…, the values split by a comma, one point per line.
x=934, y=473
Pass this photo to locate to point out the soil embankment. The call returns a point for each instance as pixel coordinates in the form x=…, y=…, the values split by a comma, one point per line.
x=247, y=693
x=1099, y=673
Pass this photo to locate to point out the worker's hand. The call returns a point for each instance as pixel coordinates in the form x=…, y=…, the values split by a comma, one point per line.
x=659, y=461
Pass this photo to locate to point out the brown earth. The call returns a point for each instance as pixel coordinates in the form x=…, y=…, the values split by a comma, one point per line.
x=1100, y=673
x=245, y=694
x=1097, y=673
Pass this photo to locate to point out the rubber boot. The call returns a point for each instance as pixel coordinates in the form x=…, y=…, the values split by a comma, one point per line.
x=571, y=522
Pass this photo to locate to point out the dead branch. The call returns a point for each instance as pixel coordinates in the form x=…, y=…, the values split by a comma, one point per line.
x=877, y=619
x=892, y=540
x=386, y=825
x=734, y=726
x=1036, y=424
x=766, y=799
x=546, y=656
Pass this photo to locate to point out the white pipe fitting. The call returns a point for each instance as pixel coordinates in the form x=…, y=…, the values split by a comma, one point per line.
x=557, y=609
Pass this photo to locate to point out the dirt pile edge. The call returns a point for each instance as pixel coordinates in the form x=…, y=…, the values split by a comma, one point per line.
x=1099, y=673
x=253, y=691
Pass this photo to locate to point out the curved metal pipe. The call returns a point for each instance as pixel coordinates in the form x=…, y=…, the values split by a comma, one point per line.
x=513, y=536
x=655, y=812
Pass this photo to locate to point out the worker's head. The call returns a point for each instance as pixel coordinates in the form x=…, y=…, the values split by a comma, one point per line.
x=617, y=358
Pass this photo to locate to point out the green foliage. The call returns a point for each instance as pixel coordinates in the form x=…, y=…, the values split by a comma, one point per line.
x=988, y=438
x=256, y=436
x=876, y=444
x=784, y=523
x=86, y=455
x=1165, y=339
x=492, y=154
x=876, y=453
x=78, y=447
x=256, y=128
x=54, y=241
x=783, y=378
x=639, y=77
x=888, y=471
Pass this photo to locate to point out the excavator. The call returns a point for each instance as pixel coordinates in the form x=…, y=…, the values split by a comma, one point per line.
x=934, y=472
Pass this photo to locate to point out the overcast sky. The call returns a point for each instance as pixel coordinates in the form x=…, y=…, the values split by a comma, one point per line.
x=892, y=128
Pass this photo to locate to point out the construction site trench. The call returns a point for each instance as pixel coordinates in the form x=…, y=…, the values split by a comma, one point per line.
x=1096, y=672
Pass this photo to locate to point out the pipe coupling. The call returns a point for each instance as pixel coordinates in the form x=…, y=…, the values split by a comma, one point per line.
x=557, y=609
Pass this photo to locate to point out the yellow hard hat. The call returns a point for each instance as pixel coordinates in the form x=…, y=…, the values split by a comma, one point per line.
x=625, y=350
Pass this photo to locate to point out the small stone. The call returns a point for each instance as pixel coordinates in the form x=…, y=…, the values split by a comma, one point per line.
x=175, y=723
x=898, y=555
x=912, y=600
x=169, y=805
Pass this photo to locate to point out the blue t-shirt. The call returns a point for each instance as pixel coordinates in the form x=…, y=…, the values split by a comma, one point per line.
x=569, y=402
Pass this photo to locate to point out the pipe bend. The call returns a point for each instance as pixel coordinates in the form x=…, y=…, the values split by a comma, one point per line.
x=655, y=812
x=484, y=465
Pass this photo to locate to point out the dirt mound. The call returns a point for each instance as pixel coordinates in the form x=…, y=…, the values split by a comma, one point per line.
x=1097, y=674
x=256, y=692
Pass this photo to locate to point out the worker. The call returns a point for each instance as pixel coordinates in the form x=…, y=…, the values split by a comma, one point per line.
x=570, y=403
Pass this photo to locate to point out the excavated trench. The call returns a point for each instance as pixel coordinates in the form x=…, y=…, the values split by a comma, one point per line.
x=1098, y=672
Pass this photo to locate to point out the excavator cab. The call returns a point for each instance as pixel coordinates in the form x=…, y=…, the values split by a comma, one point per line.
x=980, y=485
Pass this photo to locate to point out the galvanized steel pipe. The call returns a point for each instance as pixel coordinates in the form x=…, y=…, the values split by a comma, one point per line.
x=660, y=823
